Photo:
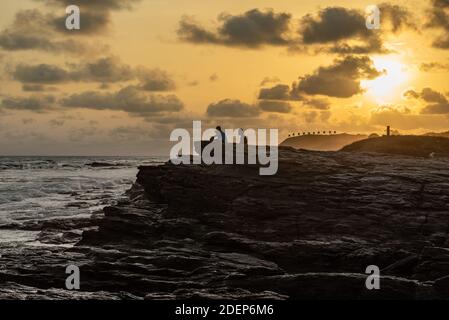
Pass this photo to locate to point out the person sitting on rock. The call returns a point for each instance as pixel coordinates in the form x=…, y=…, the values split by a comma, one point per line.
x=221, y=135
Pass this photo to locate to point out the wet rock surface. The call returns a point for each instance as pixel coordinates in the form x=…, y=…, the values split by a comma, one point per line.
x=309, y=232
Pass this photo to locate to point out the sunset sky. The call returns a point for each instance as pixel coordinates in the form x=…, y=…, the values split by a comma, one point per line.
x=139, y=68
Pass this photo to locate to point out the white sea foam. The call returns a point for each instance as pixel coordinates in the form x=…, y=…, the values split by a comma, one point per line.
x=42, y=188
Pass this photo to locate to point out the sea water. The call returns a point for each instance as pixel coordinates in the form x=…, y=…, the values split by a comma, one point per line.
x=34, y=189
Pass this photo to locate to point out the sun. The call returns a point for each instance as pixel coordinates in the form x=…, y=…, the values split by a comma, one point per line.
x=385, y=87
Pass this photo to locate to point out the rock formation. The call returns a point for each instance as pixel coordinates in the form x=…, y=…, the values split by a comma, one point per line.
x=223, y=231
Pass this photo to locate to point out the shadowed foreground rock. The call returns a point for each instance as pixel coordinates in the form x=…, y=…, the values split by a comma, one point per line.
x=309, y=232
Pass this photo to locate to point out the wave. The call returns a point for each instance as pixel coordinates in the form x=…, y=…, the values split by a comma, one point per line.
x=75, y=163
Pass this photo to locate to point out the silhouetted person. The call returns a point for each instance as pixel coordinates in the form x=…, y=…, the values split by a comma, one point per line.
x=221, y=135
x=243, y=138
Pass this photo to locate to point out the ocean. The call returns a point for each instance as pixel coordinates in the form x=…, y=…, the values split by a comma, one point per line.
x=36, y=189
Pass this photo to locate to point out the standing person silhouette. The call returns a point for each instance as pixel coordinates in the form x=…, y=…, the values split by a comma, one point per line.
x=221, y=135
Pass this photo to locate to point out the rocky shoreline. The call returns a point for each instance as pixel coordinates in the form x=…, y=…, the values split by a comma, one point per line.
x=223, y=231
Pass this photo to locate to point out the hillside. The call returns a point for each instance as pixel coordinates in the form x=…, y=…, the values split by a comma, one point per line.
x=322, y=142
x=420, y=146
x=438, y=134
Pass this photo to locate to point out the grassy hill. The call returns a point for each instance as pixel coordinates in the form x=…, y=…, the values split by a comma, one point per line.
x=322, y=142
x=420, y=146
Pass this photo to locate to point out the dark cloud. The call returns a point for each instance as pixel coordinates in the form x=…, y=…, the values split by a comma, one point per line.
x=252, y=29
x=213, y=77
x=275, y=106
x=91, y=23
x=332, y=29
x=107, y=69
x=129, y=99
x=43, y=73
x=32, y=30
x=229, y=108
x=438, y=18
x=268, y=80
x=278, y=92
x=37, y=88
x=346, y=31
x=155, y=80
x=104, y=70
x=430, y=95
x=333, y=24
x=95, y=4
x=321, y=104
x=434, y=67
x=411, y=94
x=95, y=18
x=33, y=103
x=436, y=108
x=437, y=102
x=371, y=45
x=341, y=79
x=398, y=17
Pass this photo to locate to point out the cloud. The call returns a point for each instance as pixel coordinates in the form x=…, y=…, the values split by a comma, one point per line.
x=91, y=23
x=310, y=116
x=252, y=29
x=345, y=29
x=340, y=80
x=321, y=104
x=333, y=24
x=31, y=30
x=275, y=106
x=96, y=4
x=371, y=45
x=43, y=74
x=407, y=121
x=434, y=67
x=229, y=108
x=129, y=99
x=398, y=17
x=278, y=92
x=104, y=70
x=332, y=29
x=213, y=77
x=437, y=102
x=438, y=18
x=268, y=80
x=155, y=80
x=95, y=18
x=36, y=88
x=32, y=103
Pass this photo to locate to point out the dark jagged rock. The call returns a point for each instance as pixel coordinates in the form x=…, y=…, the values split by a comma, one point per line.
x=223, y=231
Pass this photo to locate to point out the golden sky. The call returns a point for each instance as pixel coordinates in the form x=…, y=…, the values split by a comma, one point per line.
x=139, y=68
